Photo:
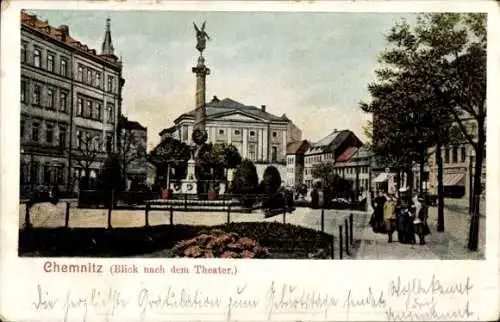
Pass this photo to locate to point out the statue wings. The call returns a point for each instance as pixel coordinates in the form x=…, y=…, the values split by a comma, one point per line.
x=202, y=31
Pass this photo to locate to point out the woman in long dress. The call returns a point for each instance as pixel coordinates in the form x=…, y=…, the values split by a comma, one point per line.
x=377, y=220
x=390, y=217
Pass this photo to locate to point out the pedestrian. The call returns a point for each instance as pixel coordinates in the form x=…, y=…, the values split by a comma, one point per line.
x=390, y=216
x=377, y=219
x=421, y=227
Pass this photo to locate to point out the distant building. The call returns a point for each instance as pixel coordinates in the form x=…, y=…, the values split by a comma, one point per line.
x=133, y=145
x=354, y=165
x=71, y=98
x=328, y=149
x=257, y=134
x=295, y=162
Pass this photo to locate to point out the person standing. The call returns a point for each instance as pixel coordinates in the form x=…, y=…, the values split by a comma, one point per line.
x=377, y=220
x=390, y=217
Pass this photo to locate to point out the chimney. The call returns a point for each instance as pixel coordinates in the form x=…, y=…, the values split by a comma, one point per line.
x=215, y=99
x=64, y=29
x=263, y=108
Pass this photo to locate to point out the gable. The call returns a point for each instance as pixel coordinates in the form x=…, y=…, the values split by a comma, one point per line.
x=235, y=116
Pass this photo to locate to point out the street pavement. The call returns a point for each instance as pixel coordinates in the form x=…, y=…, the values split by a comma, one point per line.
x=450, y=244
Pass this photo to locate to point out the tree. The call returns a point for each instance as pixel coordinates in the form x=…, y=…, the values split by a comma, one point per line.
x=245, y=182
x=131, y=149
x=332, y=184
x=170, y=153
x=444, y=60
x=86, y=154
x=271, y=180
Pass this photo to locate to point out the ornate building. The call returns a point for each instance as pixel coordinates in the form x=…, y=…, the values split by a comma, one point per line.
x=257, y=134
x=71, y=98
x=295, y=162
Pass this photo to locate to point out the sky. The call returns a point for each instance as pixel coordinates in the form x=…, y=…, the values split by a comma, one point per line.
x=313, y=67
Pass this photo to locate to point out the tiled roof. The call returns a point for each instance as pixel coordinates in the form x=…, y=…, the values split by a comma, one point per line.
x=60, y=34
x=329, y=143
x=227, y=106
x=347, y=154
x=131, y=125
x=299, y=147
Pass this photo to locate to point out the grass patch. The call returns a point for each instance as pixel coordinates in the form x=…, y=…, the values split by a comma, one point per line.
x=282, y=240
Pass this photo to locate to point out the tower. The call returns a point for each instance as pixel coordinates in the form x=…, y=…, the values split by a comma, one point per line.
x=107, y=49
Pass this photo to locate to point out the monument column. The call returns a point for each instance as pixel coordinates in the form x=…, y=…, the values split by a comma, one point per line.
x=201, y=72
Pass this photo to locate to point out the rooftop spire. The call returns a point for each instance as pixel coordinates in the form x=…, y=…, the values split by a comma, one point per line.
x=107, y=44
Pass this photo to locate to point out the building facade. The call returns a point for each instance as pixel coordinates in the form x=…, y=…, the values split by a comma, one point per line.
x=257, y=134
x=70, y=102
x=354, y=165
x=328, y=149
x=133, y=150
x=295, y=162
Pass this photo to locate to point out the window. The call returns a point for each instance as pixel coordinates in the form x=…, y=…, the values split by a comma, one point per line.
x=97, y=111
x=50, y=98
x=23, y=127
x=63, y=102
x=455, y=154
x=36, y=94
x=46, y=174
x=110, y=83
x=49, y=133
x=109, y=112
x=35, y=132
x=221, y=131
x=59, y=174
x=275, y=134
x=64, y=67
x=37, y=57
x=35, y=169
x=462, y=154
x=252, y=133
x=62, y=136
x=95, y=143
x=79, y=107
x=50, y=62
x=23, y=91
x=109, y=143
x=237, y=132
x=89, y=76
x=252, y=152
x=446, y=155
x=88, y=109
x=80, y=73
x=98, y=79
x=24, y=49
x=78, y=139
x=274, y=154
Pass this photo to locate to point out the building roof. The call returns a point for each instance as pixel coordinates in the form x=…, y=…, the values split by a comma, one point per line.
x=299, y=147
x=167, y=130
x=61, y=35
x=216, y=108
x=347, y=154
x=132, y=125
x=329, y=143
x=362, y=153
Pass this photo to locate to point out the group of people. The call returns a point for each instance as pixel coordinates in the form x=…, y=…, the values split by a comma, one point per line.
x=397, y=213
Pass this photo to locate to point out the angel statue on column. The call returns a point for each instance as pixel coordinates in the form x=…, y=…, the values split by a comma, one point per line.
x=201, y=36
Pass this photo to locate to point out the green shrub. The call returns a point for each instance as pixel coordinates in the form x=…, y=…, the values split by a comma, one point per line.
x=245, y=182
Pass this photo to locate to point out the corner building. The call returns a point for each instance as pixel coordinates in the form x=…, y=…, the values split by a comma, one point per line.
x=71, y=98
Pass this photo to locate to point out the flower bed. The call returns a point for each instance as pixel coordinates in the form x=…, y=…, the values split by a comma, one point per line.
x=217, y=243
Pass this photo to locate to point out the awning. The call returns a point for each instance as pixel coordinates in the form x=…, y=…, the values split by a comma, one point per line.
x=452, y=179
x=382, y=177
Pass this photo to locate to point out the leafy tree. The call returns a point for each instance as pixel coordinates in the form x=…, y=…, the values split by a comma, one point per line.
x=245, y=182
x=331, y=183
x=271, y=180
x=437, y=72
x=171, y=153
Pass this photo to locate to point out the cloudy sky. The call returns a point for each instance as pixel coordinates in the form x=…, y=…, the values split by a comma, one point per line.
x=314, y=67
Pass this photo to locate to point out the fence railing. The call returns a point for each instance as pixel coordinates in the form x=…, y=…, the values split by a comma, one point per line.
x=345, y=238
